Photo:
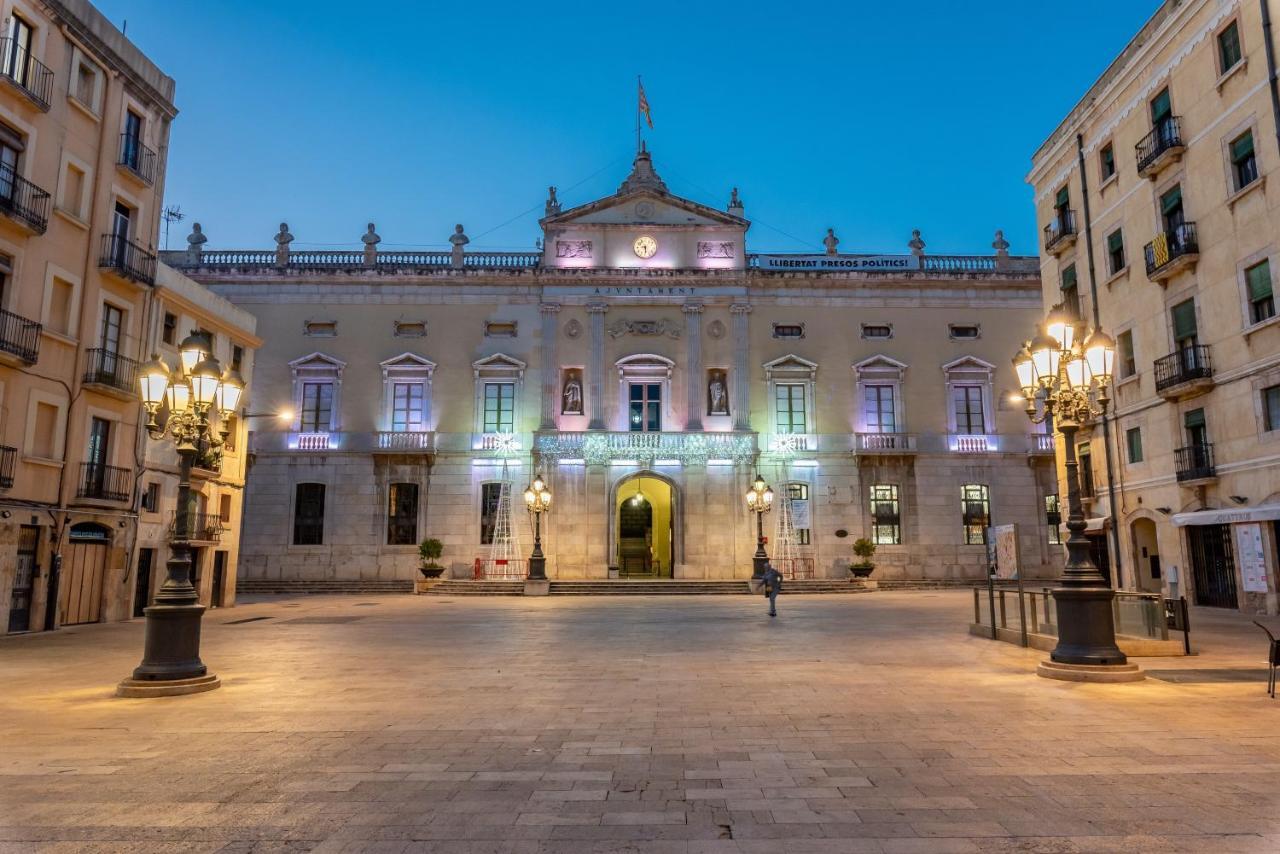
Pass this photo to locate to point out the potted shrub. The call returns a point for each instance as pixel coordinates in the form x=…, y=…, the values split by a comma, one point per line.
x=863, y=550
x=428, y=551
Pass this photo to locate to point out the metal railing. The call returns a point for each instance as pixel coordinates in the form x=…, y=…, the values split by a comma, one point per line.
x=1060, y=228
x=885, y=443
x=23, y=70
x=103, y=367
x=1184, y=365
x=793, y=568
x=1033, y=611
x=20, y=336
x=508, y=569
x=201, y=527
x=1169, y=246
x=137, y=157
x=23, y=200
x=1194, y=462
x=127, y=259
x=8, y=462
x=106, y=483
x=1165, y=136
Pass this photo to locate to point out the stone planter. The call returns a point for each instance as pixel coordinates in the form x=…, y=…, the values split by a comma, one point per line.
x=861, y=570
x=431, y=571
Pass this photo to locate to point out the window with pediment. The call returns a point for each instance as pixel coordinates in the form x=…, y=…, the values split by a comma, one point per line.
x=791, y=395
x=644, y=393
x=406, y=393
x=879, y=390
x=969, y=404
x=499, y=379
x=317, y=387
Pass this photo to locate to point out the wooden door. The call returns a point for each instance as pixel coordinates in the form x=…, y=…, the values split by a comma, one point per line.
x=83, y=574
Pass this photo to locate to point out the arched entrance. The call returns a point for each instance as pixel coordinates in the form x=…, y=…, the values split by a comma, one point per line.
x=1146, y=555
x=644, y=526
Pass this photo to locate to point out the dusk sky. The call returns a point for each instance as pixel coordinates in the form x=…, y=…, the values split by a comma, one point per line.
x=873, y=118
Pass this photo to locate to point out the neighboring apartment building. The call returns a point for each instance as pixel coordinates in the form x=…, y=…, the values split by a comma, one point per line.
x=1179, y=197
x=650, y=367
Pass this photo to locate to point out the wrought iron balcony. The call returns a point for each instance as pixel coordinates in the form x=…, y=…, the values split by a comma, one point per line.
x=885, y=444
x=127, y=259
x=8, y=461
x=23, y=201
x=27, y=74
x=1160, y=147
x=1172, y=251
x=1184, y=372
x=105, y=483
x=1060, y=233
x=19, y=337
x=137, y=158
x=105, y=368
x=202, y=528
x=1194, y=463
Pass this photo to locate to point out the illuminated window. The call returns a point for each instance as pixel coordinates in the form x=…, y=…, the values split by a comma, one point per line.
x=975, y=500
x=499, y=407
x=406, y=407
x=798, y=495
x=402, y=514
x=1053, y=518
x=886, y=516
x=490, y=495
x=970, y=418
x=880, y=413
x=790, y=408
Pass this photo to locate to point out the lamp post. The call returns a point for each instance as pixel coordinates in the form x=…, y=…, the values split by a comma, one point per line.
x=759, y=502
x=538, y=499
x=171, y=658
x=1069, y=379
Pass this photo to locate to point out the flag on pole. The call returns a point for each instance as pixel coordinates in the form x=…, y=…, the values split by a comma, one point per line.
x=644, y=105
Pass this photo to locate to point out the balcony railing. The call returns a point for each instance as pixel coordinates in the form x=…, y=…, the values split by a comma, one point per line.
x=1186, y=365
x=1171, y=247
x=8, y=461
x=23, y=201
x=1060, y=231
x=393, y=440
x=106, y=483
x=203, y=527
x=1165, y=138
x=1040, y=443
x=19, y=336
x=886, y=443
x=137, y=158
x=21, y=69
x=973, y=443
x=127, y=259
x=792, y=443
x=106, y=368
x=1194, y=462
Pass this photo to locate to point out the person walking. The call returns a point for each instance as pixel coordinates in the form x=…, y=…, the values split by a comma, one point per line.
x=772, y=587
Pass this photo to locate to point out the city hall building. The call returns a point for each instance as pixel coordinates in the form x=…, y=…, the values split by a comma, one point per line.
x=649, y=367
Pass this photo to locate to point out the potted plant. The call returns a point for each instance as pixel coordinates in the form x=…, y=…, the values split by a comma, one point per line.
x=428, y=551
x=863, y=550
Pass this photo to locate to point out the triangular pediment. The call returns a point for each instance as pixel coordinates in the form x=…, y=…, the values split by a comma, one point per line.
x=316, y=361
x=498, y=363
x=969, y=363
x=790, y=364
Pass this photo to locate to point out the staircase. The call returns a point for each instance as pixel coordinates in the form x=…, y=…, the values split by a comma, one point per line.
x=642, y=587
x=456, y=587
x=263, y=586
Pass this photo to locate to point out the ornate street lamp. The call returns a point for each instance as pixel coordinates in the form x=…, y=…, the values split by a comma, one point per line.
x=538, y=499
x=1067, y=381
x=759, y=502
x=171, y=659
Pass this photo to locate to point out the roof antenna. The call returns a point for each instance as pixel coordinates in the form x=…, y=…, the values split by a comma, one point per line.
x=171, y=214
x=124, y=27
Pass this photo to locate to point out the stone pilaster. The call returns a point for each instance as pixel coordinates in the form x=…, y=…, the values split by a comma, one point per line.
x=550, y=364
x=740, y=381
x=693, y=338
x=595, y=370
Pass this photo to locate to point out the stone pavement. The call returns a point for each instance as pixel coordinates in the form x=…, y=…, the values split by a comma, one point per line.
x=869, y=723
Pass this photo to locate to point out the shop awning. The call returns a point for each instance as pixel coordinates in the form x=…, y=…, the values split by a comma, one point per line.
x=1261, y=513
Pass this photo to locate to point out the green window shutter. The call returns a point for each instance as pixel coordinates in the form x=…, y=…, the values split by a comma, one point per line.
x=1069, y=277
x=1134, y=437
x=1184, y=320
x=1064, y=198
x=1171, y=200
x=1242, y=148
x=1259, y=279
x=1193, y=419
x=1115, y=241
x=1161, y=107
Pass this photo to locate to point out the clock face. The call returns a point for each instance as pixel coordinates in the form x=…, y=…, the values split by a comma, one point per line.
x=645, y=246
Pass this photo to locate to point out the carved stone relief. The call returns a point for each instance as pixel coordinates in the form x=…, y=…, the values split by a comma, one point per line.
x=572, y=329
x=645, y=327
x=715, y=329
x=573, y=248
x=715, y=249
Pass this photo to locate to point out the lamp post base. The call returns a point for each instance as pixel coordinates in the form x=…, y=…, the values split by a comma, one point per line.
x=1090, y=672
x=759, y=563
x=170, y=688
x=172, y=645
x=1086, y=631
x=537, y=568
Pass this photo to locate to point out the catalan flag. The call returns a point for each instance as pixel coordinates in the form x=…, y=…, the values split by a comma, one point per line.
x=644, y=105
x=1160, y=250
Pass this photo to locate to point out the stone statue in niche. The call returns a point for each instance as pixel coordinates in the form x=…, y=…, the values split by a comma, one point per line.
x=571, y=392
x=715, y=249
x=573, y=248
x=717, y=392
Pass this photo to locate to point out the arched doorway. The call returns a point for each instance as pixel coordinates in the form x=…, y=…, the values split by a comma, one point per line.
x=1146, y=555
x=644, y=526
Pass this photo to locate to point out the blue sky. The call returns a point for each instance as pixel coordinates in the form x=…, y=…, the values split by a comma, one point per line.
x=871, y=117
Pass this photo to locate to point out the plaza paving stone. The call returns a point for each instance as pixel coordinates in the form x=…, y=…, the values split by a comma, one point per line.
x=869, y=723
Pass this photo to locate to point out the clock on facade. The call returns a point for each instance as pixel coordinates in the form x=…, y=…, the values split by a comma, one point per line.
x=645, y=246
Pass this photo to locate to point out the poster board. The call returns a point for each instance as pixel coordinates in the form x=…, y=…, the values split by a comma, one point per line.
x=1250, y=556
x=1004, y=539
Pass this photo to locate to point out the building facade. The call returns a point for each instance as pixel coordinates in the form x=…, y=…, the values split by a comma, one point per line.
x=648, y=367
x=1159, y=223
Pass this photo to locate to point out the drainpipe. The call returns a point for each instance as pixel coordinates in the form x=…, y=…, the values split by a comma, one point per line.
x=1271, y=65
x=1107, y=454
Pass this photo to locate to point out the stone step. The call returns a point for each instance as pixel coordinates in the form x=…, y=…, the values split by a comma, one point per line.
x=628, y=587
x=455, y=587
x=249, y=586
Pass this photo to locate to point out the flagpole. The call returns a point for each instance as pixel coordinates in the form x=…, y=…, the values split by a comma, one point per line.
x=638, y=87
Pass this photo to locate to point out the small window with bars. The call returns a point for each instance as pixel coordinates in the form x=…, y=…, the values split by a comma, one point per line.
x=1053, y=518
x=886, y=516
x=975, y=503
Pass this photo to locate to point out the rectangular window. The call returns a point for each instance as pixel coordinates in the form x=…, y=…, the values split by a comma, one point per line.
x=500, y=329
x=170, y=333
x=1070, y=292
x=317, y=408
x=73, y=191
x=886, y=517
x=1161, y=108
x=237, y=357
x=1197, y=429
x=1171, y=211
x=233, y=430
x=967, y=400
x=44, y=436
x=308, y=515
x=1062, y=201
x=880, y=416
x=975, y=501
x=1133, y=439
x=98, y=454
x=1084, y=470
x=62, y=300
x=112, y=326
x=1271, y=408
x=1244, y=161
x=499, y=407
x=788, y=330
x=406, y=408
x=644, y=407
x=798, y=495
x=1115, y=251
x=1261, y=302
x=789, y=406
x=320, y=328
x=490, y=495
x=86, y=84
x=1107, y=161
x=877, y=330
x=1183, y=316
x=1053, y=518
x=402, y=514
x=964, y=331
x=151, y=498
x=1128, y=358
x=224, y=507
x=1229, y=52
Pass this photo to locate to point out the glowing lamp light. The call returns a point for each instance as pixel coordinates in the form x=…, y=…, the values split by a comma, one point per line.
x=193, y=351
x=205, y=380
x=1025, y=368
x=153, y=380
x=285, y=414
x=178, y=397
x=1077, y=371
x=1061, y=327
x=1045, y=353
x=529, y=497
x=229, y=392
x=1100, y=353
